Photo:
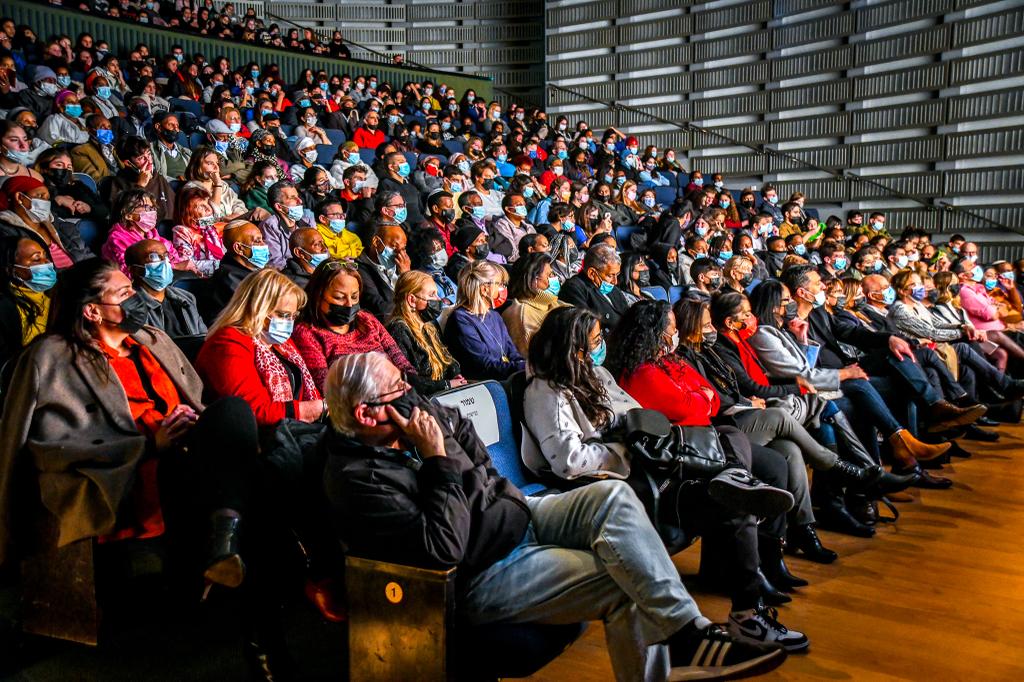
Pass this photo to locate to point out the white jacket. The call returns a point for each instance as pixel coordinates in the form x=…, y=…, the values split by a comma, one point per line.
x=570, y=446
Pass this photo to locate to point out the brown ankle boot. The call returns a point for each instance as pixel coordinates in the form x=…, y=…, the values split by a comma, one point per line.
x=944, y=415
x=907, y=450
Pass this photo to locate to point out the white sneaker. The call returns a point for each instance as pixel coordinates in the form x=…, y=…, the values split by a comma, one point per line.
x=761, y=626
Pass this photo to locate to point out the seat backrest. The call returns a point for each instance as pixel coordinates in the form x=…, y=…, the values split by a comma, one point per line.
x=666, y=195
x=454, y=146
x=486, y=405
x=368, y=156
x=622, y=235
x=86, y=180
x=657, y=292
x=337, y=137
x=325, y=153
x=675, y=293
x=413, y=158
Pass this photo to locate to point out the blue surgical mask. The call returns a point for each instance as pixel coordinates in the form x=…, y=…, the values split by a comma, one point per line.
x=918, y=293
x=316, y=259
x=724, y=256
x=606, y=288
x=401, y=214
x=73, y=110
x=699, y=182
x=103, y=92
x=387, y=257
x=878, y=265
x=502, y=158
x=990, y=284
x=105, y=136
x=304, y=103
x=888, y=295
x=259, y=255
x=839, y=264
x=269, y=182
x=159, y=274
x=337, y=225
x=279, y=330
x=648, y=202
x=562, y=154
x=478, y=212
x=456, y=187
x=464, y=167
x=977, y=274
x=901, y=262
x=701, y=231
x=527, y=191
x=598, y=355
x=799, y=249
x=393, y=119
x=520, y=211
x=554, y=285
x=64, y=81
x=220, y=147
x=353, y=158
x=43, y=277
x=404, y=169
x=296, y=212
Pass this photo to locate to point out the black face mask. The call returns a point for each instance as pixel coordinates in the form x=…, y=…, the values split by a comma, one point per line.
x=747, y=204
x=59, y=176
x=643, y=278
x=954, y=289
x=791, y=311
x=341, y=315
x=431, y=312
x=30, y=131
x=447, y=215
x=404, y=403
x=745, y=280
x=168, y=135
x=487, y=185
x=482, y=251
x=135, y=312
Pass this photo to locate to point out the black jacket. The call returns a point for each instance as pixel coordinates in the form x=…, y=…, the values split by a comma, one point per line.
x=378, y=296
x=725, y=351
x=221, y=288
x=581, y=292
x=440, y=512
x=830, y=332
x=294, y=271
x=409, y=193
x=417, y=356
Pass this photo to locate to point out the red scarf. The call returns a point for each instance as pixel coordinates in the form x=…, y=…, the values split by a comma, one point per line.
x=275, y=376
x=749, y=359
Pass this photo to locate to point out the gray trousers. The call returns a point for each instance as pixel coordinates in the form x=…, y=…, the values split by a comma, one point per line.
x=778, y=429
x=590, y=554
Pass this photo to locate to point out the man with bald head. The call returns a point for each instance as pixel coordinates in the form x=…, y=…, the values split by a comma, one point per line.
x=878, y=296
x=306, y=249
x=171, y=309
x=380, y=265
x=244, y=252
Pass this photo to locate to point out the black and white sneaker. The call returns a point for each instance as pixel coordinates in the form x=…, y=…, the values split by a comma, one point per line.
x=712, y=653
x=761, y=626
x=738, y=490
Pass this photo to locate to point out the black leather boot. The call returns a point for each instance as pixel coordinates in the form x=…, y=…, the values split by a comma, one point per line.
x=224, y=564
x=773, y=564
x=804, y=540
x=872, y=481
x=771, y=595
x=862, y=508
x=839, y=519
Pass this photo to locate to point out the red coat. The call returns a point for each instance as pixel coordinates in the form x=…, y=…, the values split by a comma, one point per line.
x=227, y=365
x=674, y=389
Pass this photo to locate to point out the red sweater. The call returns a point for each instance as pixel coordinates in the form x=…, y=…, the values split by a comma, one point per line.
x=227, y=365
x=368, y=140
x=673, y=390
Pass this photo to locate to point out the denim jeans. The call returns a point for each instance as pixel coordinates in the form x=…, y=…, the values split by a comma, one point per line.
x=590, y=553
x=868, y=405
x=915, y=377
x=979, y=369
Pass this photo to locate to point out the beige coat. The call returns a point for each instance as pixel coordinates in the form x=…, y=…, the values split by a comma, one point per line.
x=68, y=432
x=523, y=318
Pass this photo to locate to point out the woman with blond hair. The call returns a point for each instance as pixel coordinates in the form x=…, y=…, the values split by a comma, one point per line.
x=627, y=209
x=249, y=353
x=475, y=332
x=413, y=326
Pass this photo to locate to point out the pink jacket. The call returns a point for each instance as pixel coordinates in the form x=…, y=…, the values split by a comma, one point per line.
x=979, y=307
x=121, y=237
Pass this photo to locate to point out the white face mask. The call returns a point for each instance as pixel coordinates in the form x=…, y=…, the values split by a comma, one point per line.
x=310, y=156
x=39, y=210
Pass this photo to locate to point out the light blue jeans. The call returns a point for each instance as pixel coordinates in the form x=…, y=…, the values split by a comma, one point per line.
x=590, y=553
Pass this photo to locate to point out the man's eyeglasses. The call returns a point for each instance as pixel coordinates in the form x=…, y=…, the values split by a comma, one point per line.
x=378, y=400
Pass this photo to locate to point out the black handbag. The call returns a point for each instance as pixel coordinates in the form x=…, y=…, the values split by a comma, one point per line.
x=673, y=451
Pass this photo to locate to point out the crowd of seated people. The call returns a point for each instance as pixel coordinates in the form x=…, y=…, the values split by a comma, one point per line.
x=171, y=229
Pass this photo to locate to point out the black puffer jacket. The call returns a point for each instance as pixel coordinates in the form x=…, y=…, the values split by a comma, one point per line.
x=441, y=512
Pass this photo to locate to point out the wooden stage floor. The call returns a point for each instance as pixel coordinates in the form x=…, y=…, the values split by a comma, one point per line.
x=938, y=596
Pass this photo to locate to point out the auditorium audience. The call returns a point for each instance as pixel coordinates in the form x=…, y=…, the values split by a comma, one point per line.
x=451, y=238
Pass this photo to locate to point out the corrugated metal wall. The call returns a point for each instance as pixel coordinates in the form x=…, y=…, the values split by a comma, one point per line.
x=926, y=96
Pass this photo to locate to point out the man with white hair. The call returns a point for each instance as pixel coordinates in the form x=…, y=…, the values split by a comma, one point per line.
x=410, y=482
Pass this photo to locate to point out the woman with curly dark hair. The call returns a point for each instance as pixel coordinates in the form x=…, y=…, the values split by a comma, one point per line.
x=572, y=407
